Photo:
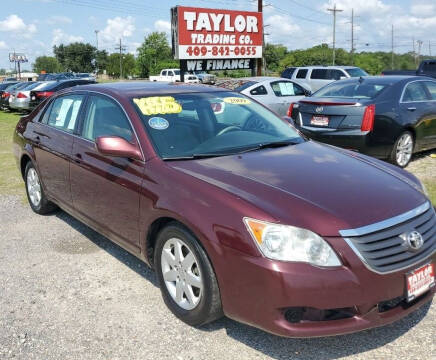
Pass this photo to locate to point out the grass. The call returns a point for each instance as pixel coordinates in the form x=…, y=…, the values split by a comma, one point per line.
x=12, y=183
x=10, y=178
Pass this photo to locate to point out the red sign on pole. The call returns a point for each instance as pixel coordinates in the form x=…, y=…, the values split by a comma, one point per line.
x=216, y=34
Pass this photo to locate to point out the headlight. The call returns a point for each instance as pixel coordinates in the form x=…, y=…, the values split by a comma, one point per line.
x=290, y=243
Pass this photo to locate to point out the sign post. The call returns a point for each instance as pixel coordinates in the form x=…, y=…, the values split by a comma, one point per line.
x=18, y=59
x=215, y=39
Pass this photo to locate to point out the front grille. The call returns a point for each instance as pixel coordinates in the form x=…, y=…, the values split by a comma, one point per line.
x=384, y=250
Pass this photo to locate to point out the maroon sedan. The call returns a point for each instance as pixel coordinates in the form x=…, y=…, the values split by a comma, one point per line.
x=239, y=214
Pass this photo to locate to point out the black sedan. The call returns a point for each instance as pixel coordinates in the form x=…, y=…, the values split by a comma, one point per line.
x=388, y=117
x=37, y=96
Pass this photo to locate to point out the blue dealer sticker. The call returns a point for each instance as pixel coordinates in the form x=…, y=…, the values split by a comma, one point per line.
x=158, y=123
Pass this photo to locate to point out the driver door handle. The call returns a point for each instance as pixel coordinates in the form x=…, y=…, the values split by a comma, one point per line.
x=411, y=108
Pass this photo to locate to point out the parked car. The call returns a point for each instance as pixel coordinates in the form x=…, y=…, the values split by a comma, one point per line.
x=53, y=77
x=425, y=68
x=315, y=77
x=44, y=92
x=20, y=99
x=275, y=93
x=191, y=79
x=204, y=77
x=167, y=75
x=5, y=85
x=10, y=91
x=9, y=79
x=388, y=117
x=85, y=76
x=5, y=93
x=238, y=213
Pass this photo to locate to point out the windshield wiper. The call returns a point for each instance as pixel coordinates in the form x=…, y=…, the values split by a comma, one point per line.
x=196, y=156
x=269, y=145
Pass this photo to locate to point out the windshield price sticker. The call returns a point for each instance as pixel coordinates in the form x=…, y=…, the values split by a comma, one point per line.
x=237, y=101
x=158, y=105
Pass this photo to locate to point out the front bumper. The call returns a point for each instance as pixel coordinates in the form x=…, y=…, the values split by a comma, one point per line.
x=264, y=291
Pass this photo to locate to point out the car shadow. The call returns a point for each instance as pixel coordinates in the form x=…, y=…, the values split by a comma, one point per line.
x=325, y=348
x=322, y=348
x=110, y=247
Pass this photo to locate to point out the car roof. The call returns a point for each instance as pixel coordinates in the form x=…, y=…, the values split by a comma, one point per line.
x=141, y=88
x=327, y=67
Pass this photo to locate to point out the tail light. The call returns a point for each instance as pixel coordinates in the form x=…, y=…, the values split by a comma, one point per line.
x=43, y=94
x=368, y=118
x=291, y=108
x=21, y=96
x=5, y=94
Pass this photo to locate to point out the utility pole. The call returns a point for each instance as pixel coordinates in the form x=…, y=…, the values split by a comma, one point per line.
x=259, y=60
x=121, y=48
x=429, y=48
x=352, y=36
x=414, y=53
x=334, y=11
x=419, y=49
x=392, y=47
x=96, y=38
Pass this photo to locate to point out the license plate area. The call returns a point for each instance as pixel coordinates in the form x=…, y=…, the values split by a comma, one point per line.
x=420, y=281
x=318, y=120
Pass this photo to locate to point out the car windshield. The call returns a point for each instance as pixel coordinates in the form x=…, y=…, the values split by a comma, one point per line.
x=177, y=72
x=32, y=86
x=356, y=72
x=184, y=126
x=23, y=85
x=355, y=89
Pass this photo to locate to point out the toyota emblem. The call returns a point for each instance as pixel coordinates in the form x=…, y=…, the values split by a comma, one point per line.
x=414, y=240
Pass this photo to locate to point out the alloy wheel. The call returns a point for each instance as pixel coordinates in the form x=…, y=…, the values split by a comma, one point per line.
x=181, y=273
x=34, y=187
x=404, y=149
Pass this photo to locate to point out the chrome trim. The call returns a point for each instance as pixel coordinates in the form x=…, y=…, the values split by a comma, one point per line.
x=318, y=129
x=359, y=255
x=386, y=223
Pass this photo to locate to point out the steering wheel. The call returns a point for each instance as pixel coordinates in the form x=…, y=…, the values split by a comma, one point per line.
x=227, y=129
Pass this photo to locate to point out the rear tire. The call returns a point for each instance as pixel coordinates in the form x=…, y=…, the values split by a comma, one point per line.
x=403, y=149
x=35, y=193
x=186, y=277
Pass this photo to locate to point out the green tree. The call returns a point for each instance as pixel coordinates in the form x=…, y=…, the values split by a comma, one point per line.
x=101, y=61
x=128, y=63
x=154, y=54
x=76, y=57
x=48, y=64
x=273, y=55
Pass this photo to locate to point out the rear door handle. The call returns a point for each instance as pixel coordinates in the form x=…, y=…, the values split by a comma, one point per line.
x=78, y=158
x=37, y=140
x=411, y=108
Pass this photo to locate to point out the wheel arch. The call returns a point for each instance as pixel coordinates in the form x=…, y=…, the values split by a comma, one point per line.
x=25, y=159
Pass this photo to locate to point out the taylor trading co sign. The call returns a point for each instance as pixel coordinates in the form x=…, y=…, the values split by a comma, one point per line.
x=216, y=39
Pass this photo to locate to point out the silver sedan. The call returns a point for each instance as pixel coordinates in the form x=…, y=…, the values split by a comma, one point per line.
x=275, y=93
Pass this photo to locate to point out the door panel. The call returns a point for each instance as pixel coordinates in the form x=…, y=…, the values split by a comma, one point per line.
x=106, y=189
x=55, y=137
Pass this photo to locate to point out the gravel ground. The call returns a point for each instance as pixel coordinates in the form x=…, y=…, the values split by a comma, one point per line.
x=68, y=293
x=424, y=166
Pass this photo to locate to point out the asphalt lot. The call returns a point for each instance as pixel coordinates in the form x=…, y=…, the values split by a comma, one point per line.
x=68, y=293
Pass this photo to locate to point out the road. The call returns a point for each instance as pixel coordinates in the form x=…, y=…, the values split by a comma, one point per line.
x=68, y=293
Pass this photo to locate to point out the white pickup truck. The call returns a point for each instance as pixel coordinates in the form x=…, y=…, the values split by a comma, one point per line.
x=167, y=75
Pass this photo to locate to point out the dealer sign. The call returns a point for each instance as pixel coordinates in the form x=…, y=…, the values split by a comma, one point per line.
x=216, y=34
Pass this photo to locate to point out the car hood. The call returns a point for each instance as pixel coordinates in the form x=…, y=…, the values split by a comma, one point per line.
x=311, y=185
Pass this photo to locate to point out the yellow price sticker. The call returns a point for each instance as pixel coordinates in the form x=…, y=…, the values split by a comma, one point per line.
x=158, y=105
x=237, y=101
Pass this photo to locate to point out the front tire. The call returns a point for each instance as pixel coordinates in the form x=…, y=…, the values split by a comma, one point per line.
x=35, y=193
x=186, y=277
x=403, y=149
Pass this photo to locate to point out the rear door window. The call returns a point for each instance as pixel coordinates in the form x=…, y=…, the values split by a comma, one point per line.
x=334, y=74
x=286, y=88
x=319, y=74
x=64, y=112
x=431, y=87
x=301, y=74
x=415, y=91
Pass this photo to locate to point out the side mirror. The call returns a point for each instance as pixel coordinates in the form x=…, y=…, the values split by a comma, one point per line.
x=307, y=92
x=117, y=147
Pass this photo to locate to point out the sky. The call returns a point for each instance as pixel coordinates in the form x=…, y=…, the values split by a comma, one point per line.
x=34, y=26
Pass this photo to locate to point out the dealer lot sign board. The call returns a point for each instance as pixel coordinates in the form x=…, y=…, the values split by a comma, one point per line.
x=216, y=39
